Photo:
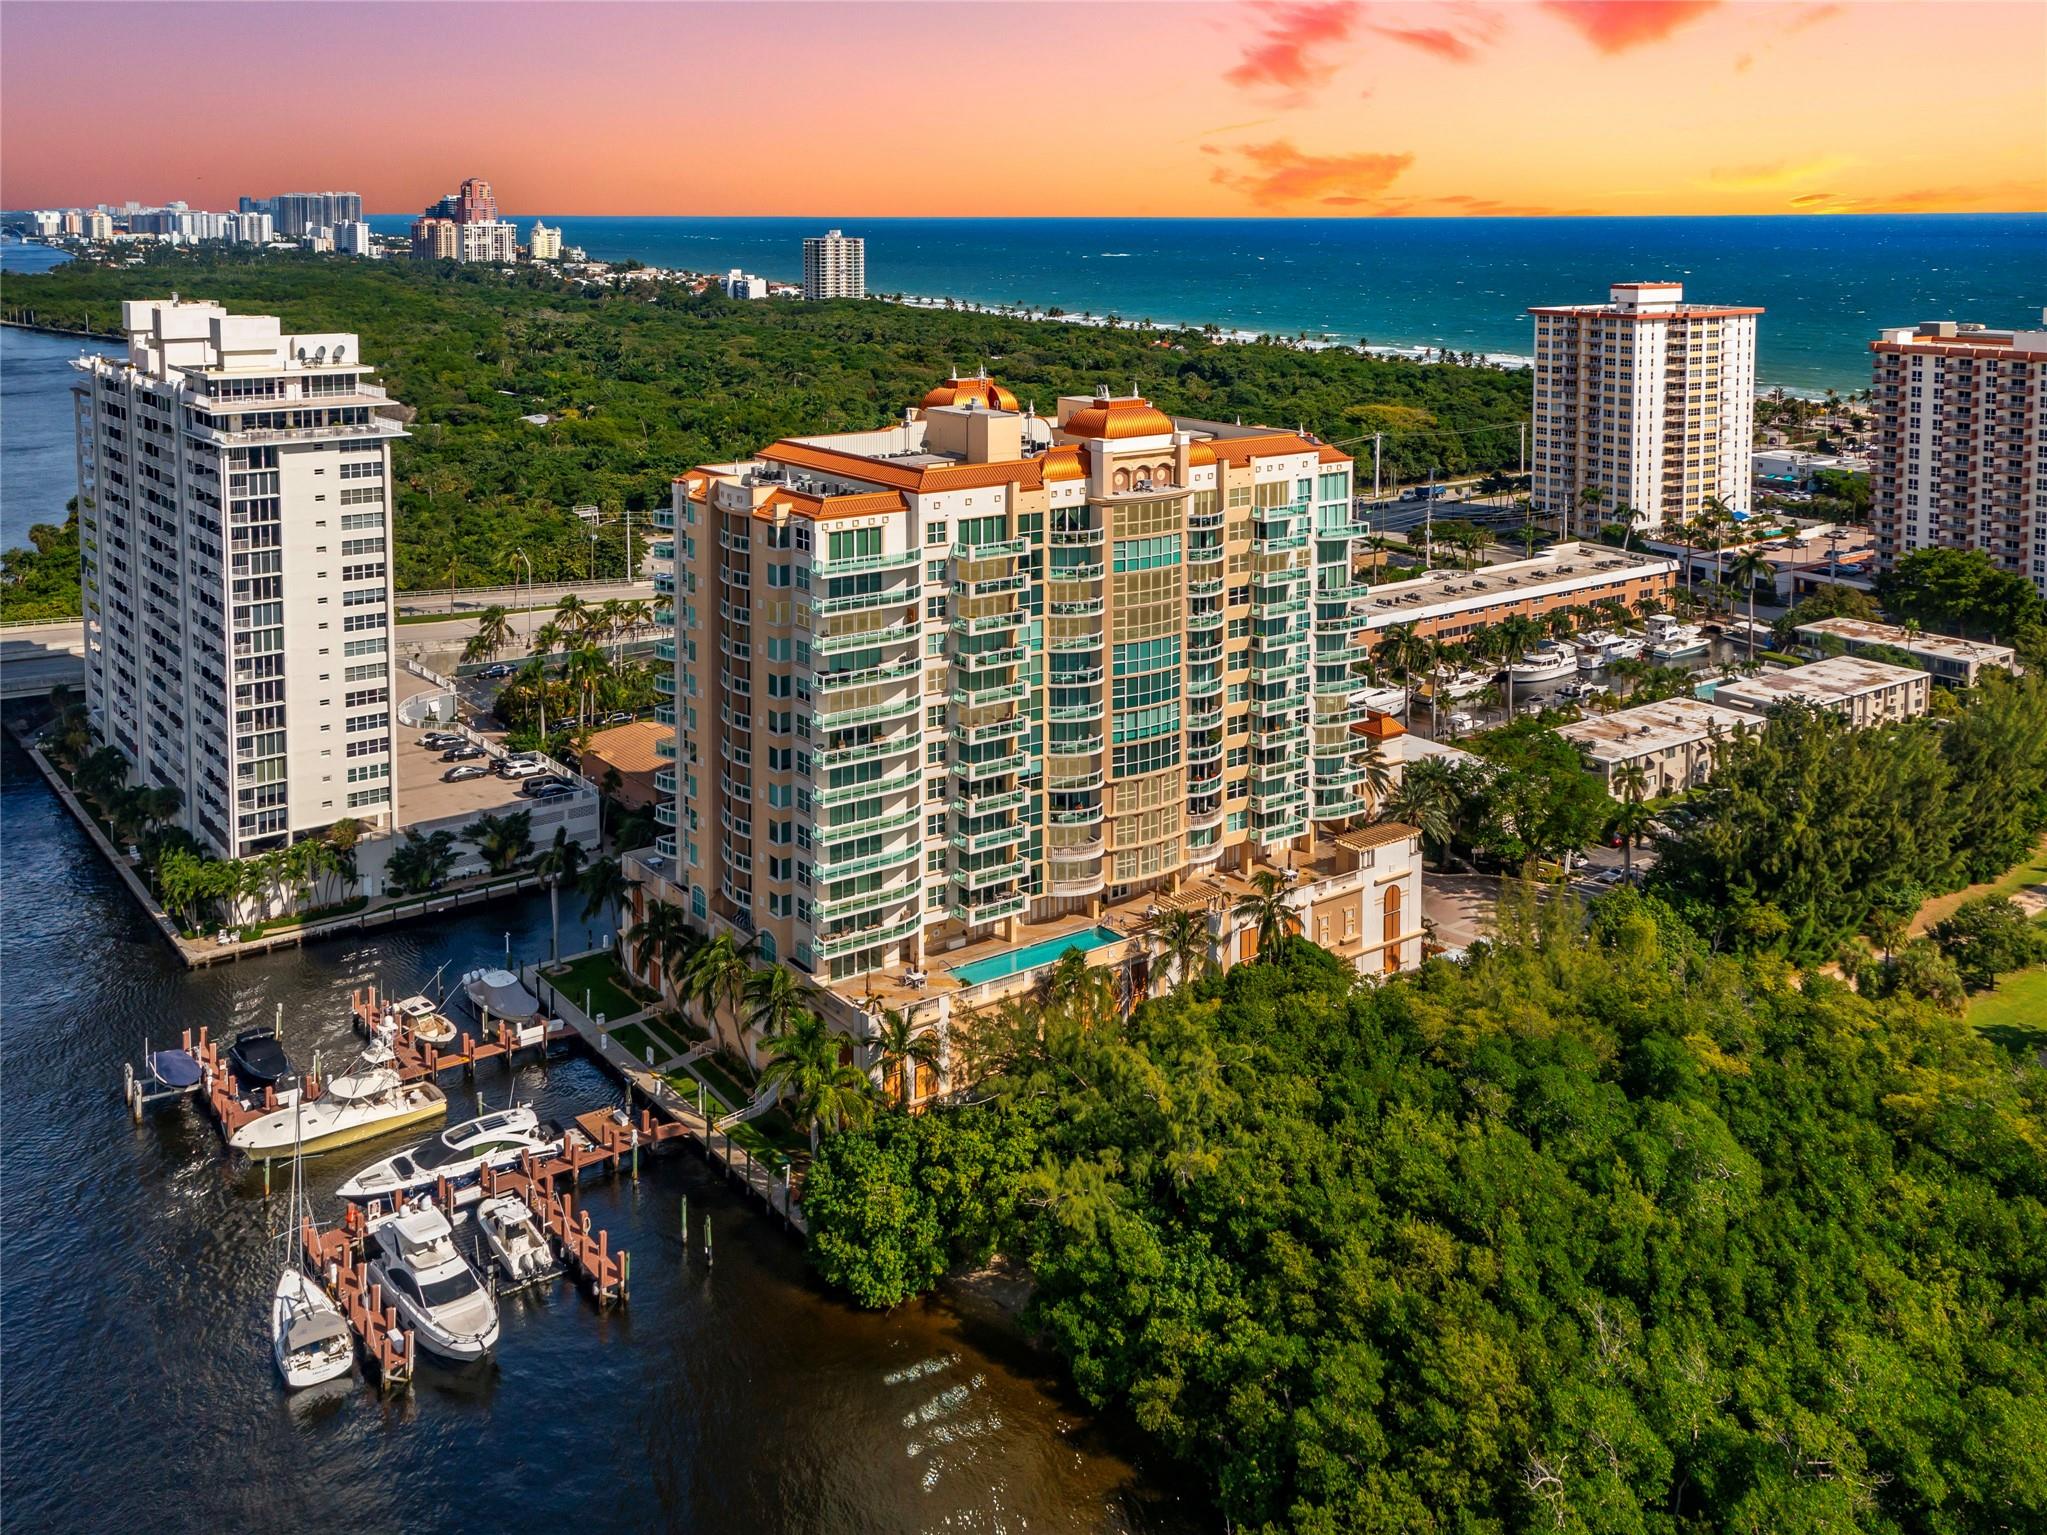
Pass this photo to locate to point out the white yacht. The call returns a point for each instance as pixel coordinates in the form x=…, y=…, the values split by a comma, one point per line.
x=429, y=1025
x=366, y=1101
x=1380, y=700
x=1602, y=647
x=516, y=1242
x=458, y=1154
x=1670, y=640
x=413, y=1257
x=1466, y=684
x=1545, y=663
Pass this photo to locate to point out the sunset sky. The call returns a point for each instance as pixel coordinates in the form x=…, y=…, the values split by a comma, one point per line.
x=1331, y=109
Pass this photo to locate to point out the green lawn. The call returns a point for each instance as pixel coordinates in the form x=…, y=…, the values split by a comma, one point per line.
x=611, y=991
x=2014, y=1015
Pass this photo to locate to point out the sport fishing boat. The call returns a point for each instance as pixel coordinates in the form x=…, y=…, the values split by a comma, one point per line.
x=1671, y=640
x=517, y=1244
x=429, y=1025
x=413, y=1256
x=367, y=1101
x=1546, y=663
x=458, y=1154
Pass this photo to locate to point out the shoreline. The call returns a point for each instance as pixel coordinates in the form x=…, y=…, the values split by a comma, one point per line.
x=56, y=330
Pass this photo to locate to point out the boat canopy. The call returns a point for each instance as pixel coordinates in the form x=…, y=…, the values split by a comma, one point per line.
x=311, y=1328
x=175, y=1068
x=499, y=993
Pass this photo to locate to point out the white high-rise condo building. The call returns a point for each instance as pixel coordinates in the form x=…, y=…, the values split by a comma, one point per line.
x=234, y=514
x=1961, y=413
x=544, y=243
x=1644, y=407
x=834, y=266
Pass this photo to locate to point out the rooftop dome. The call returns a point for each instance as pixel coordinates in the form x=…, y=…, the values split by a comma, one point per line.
x=1131, y=416
x=980, y=390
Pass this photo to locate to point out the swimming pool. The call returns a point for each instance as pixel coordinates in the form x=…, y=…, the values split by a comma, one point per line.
x=996, y=966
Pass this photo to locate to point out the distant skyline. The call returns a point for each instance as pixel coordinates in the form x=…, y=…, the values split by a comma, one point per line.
x=1328, y=108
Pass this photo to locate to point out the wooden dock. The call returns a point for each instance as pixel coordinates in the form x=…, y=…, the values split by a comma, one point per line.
x=417, y=1059
x=336, y=1256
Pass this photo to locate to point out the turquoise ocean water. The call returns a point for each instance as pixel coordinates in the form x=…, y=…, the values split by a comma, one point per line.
x=1828, y=283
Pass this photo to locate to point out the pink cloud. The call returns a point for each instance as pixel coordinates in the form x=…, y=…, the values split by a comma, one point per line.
x=1278, y=175
x=1293, y=54
x=1615, y=26
x=1444, y=44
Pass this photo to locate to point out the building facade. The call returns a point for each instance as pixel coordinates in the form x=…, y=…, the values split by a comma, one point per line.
x=297, y=213
x=739, y=284
x=1956, y=662
x=834, y=266
x=1647, y=401
x=1961, y=412
x=1676, y=743
x=950, y=681
x=544, y=243
x=234, y=523
x=464, y=226
x=1861, y=691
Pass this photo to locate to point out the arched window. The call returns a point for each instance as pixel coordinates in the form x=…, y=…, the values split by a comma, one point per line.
x=1390, y=936
x=1122, y=480
x=766, y=941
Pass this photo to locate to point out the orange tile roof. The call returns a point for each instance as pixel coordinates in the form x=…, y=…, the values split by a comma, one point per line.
x=981, y=389
x=629, y=748
x=920, y=478
x=1241, y=450
x=1202, y=452
x=1330, y=455
x=1376, y=835
x=799, y=503
x=1067, y=461
x=1131, y=416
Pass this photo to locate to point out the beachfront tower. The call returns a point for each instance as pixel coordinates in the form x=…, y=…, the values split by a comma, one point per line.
x=834, y=266
x=1961, y=411
x=1646, y=400
x=234, y=518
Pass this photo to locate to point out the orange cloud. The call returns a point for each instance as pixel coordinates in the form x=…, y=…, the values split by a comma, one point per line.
x=1437, y=40
x=1277, y=175
x=1294, y=52
x=1615, y=26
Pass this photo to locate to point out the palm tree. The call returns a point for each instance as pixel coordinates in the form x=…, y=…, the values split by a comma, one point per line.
x=1426, y=799
x=1405, y=652
x=824, y=1093
x=716, y=972
x=1631, y=817
x=773, y=996
x=549, y=637
x=584, y=671
x=559, y=865
x=501, y=839
x=418, y=864
x=662, y=940
x=572, y=616
x=1182, y=938
x=1517, y=632
x=1750, y=568
x=493, y=633
x=901, y=1049
x=605, y=888
x=1591, y=498
x=1265, y=907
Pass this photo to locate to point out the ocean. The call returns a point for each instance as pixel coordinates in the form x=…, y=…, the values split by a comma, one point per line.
x=1828, y=283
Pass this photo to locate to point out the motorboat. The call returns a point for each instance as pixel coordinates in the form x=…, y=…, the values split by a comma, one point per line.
x=498, y=994
x=458, y=1154
x=1600, y=648
x=258, y=1060
x=429, y=1025
x=1671, y=640
x=1460, y=723
x=517, y=1244
x=1465, y=684
x=1546, y=663
x=309, y=1337
x=364, y=1102
x=413, y=1256
x=1380, y=700
x=177, y=1069
x=1583, y=690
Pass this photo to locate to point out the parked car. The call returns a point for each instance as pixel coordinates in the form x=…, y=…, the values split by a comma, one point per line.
x=619, y=717
x=554, y=788
x=498, y=669
x=462, y=772
x=440, y=740
x=520, y=767
x=466, y=752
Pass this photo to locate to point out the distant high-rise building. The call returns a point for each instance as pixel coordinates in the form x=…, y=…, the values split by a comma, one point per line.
x=474, y=204
x=490, y=240
x=1647, y=401
x=254, y=228
x=436, y=239
x=97, y=226
x=74, y=222
x=1961, y=411
x=355, y=239
x=236, y=581
x=738, y=284
x=47, y=223
x=297, y=212
x=834, y=266
x=544, y=244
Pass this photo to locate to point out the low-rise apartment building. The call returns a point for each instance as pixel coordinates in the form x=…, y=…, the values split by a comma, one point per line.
x=1862, y=691
x=1677, y=743
x=1954, y=661
x=1451, y=604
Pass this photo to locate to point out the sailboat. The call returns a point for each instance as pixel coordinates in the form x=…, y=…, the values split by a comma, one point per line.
x=308, y=1334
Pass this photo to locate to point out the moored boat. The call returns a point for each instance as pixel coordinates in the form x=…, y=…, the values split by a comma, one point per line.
x=309, y=1337
x=517, y=1244
x=367, y=1101
x=1545, y=663
x=413, y=1256
x=1380, y=700
x=1671, y=640
x=429, y=1025
x=458, y=1155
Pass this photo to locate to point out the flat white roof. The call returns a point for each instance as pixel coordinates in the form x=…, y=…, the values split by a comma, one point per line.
x=1630, y=733
x=1861, y=629
x=1823, y=682
x=1565, y=567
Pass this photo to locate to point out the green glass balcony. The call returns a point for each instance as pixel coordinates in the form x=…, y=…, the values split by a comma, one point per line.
x=867, y=751
x=988, y=660
x=977, y=692
x=838, y=641
x=872, y=788
x=1006, y=549
x=826, y=869
x=868, y=714
x=992, y=767
x=986, y=841
x=831, y=945
x=873, y=825
x=831, y=910
x=973, y=733
x=908, y=559
x=991, y=909
x=990, y=623
x=867, y=676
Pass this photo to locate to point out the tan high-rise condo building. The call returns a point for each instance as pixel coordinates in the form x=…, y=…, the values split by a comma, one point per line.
x=1961, y=413
x=956, y=694
x=1644, y=408
x=834, y=266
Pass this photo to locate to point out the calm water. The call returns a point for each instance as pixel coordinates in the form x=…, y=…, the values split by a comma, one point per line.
x=138, y=1392
x=1828, y=283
